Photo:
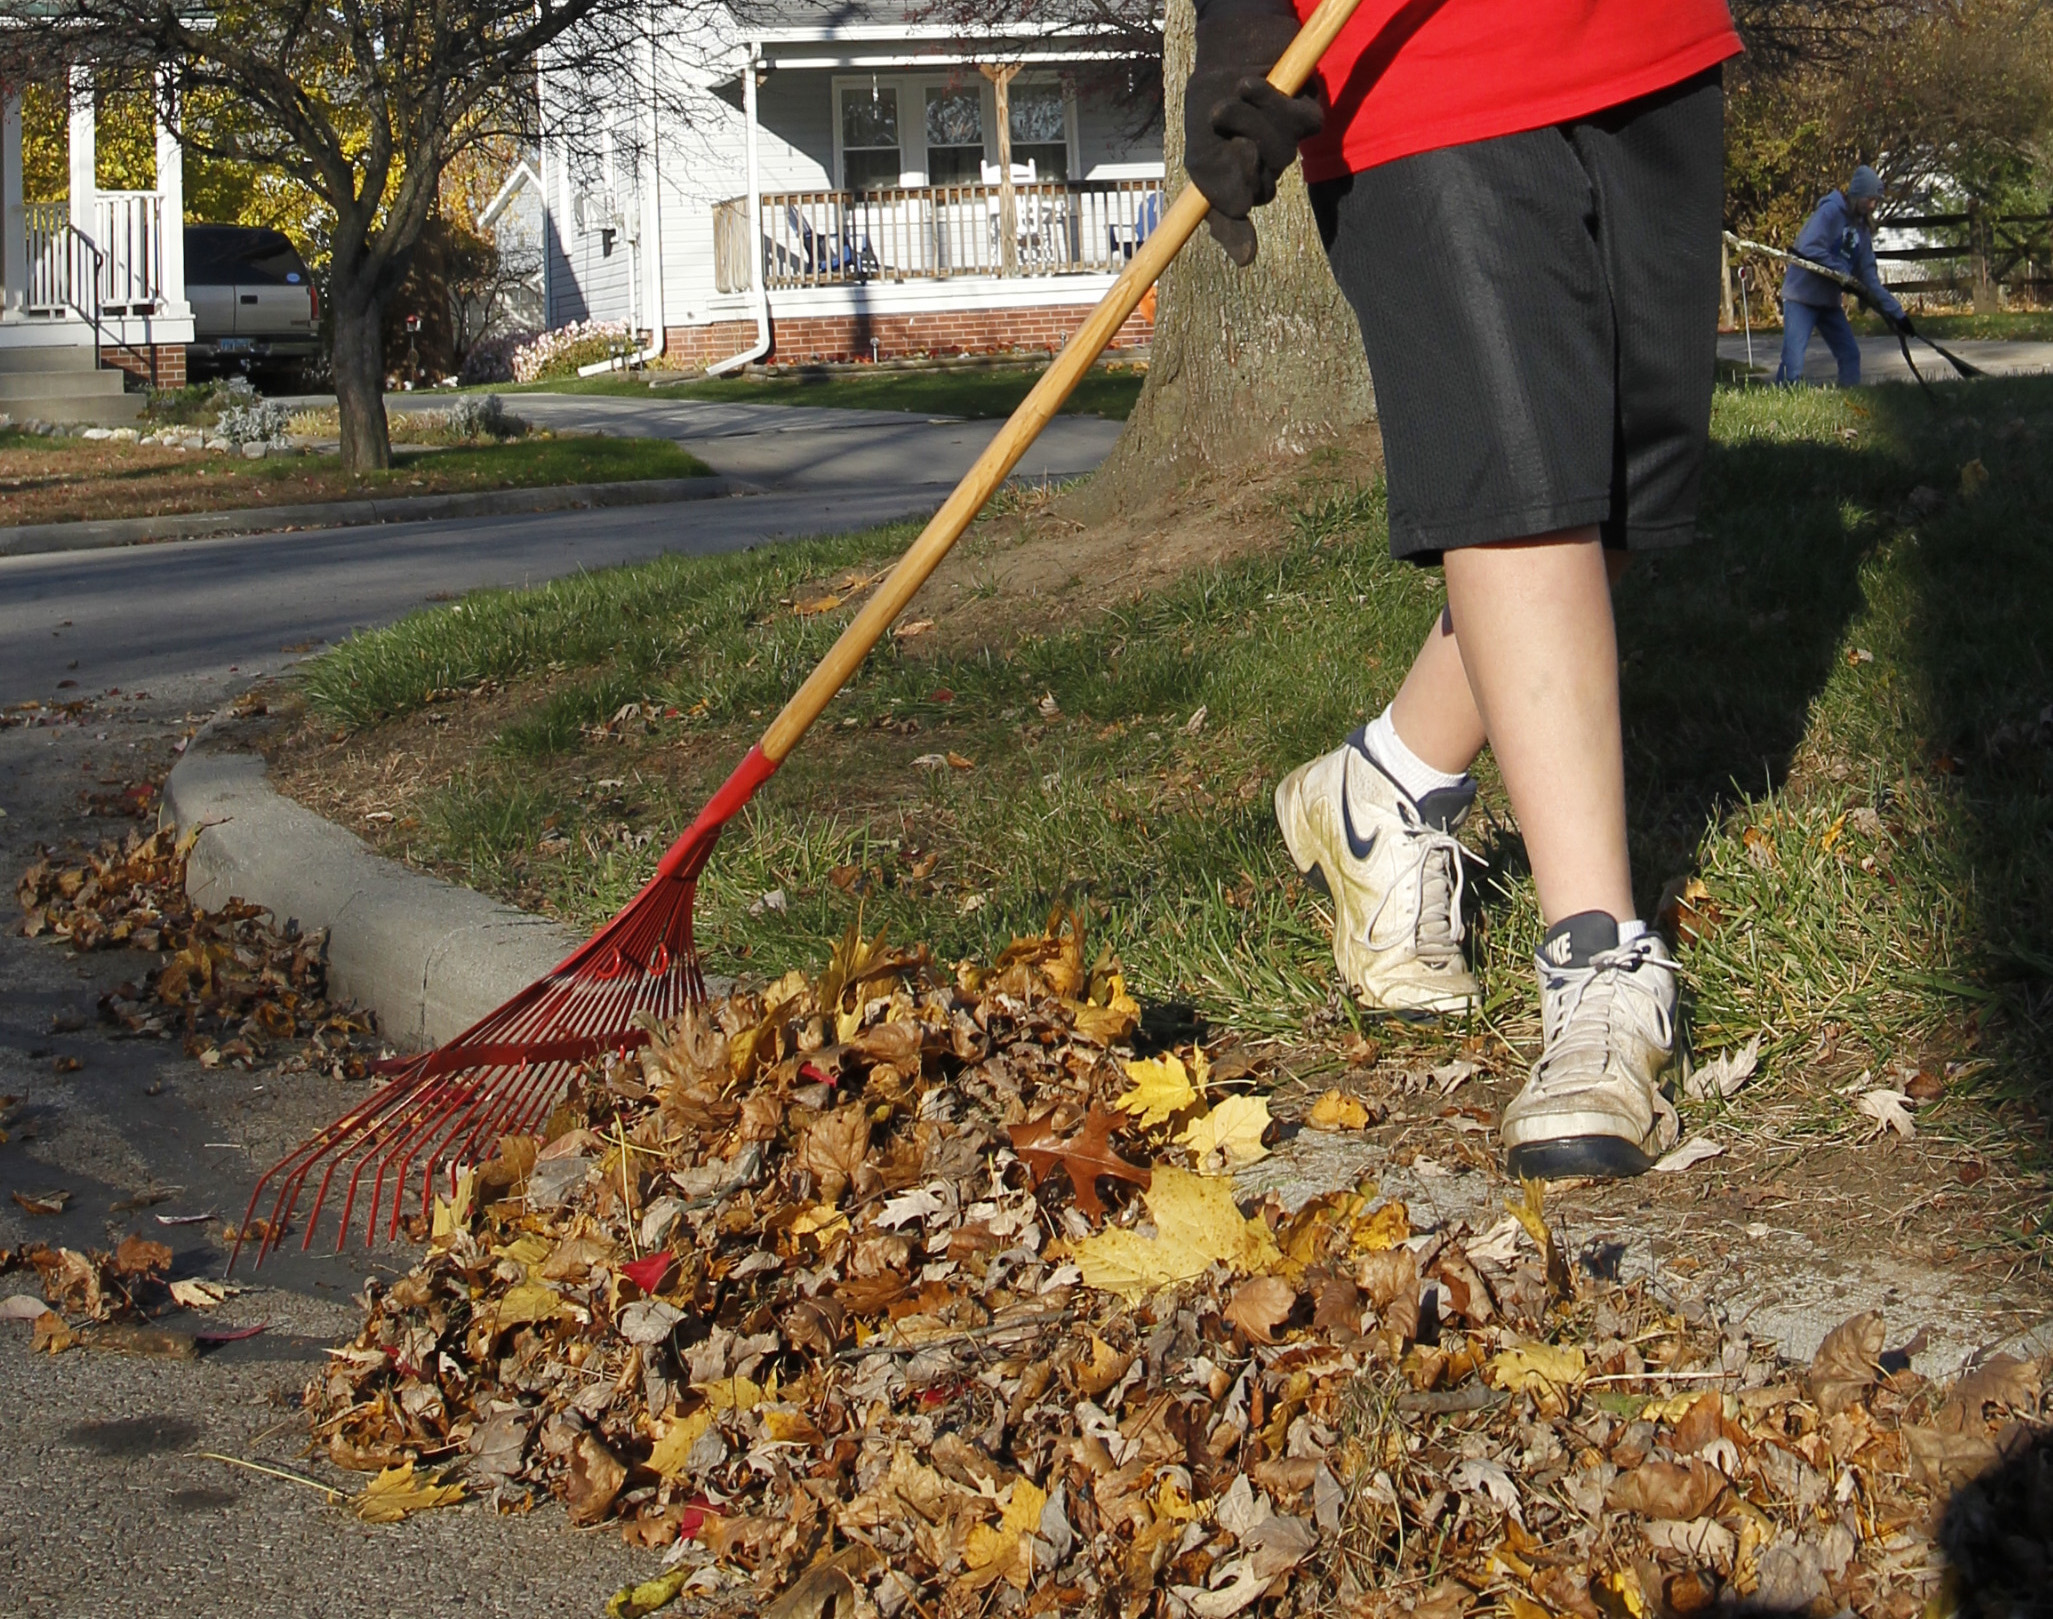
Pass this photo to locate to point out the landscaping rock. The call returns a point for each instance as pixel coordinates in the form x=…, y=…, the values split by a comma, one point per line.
x=220, y=444
x=123, y=435
x=255, y=450
x=98, y=433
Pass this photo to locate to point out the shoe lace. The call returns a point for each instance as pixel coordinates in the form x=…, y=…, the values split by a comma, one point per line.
x=1584, y=1016
x=1437, y=929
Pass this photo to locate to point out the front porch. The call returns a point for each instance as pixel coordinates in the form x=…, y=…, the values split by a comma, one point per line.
x=935, y=233
x=99, y=271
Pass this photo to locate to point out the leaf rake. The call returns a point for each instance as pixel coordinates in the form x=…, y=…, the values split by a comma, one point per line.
x=504, y=1074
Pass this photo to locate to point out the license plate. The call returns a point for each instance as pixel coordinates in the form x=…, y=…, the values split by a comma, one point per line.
x=237, y=345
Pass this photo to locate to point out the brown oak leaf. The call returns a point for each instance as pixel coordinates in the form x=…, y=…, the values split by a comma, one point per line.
x=138, y=1256
x=1086, y=1156
x=1844, y=1365
x=1259, y=1305
x=1668, y=1490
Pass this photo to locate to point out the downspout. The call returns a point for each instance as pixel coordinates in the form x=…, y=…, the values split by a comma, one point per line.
x=761, y=346
x=650, y=248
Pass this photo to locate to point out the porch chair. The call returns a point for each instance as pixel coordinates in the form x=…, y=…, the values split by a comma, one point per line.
x=829, y=256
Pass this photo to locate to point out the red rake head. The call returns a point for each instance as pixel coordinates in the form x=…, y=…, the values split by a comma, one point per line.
x=504, y=1074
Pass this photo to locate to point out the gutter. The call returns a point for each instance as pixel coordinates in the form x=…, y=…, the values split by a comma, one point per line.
x=761, y=346
x=651, y=247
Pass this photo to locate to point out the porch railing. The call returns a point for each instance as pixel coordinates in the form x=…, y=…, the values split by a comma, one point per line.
x=129, y=228
x=118, y=270
x=52, y=258
x=833, y=238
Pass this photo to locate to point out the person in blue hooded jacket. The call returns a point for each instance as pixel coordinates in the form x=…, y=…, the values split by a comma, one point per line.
x=1841, y=235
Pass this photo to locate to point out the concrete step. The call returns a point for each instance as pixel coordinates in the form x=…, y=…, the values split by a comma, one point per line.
x=98, y=410
x=58, y=385
x=51, y=357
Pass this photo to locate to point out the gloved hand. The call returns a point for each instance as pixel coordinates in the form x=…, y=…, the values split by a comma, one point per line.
x=1239, y=131
x=1900, y=324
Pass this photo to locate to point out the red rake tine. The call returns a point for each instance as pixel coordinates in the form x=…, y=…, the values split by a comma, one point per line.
x=529, y=1031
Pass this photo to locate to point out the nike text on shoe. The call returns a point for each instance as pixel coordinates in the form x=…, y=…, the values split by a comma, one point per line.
x=1393, y=870
x=1594, y=1104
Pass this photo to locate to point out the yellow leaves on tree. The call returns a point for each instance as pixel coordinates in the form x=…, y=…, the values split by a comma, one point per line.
x=1197, y=1225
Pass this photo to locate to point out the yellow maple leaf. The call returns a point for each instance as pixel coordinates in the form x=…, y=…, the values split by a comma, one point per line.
x=452, y=1214
x=398, y=1493
x=986, y=1546
x=1537, y=1368
x=733, y=1393
x=528, y=1301
x=1233, y=1130
x=1385, y=1228
x=669, y=1453
x=1197, y=1224
x=1336, y=1110
x=1114, y=1019
x=1161, y=1086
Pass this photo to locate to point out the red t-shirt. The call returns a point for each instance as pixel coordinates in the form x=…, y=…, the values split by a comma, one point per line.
x=1413, y=75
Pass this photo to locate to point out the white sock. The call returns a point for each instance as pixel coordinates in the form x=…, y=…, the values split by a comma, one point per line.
x=1403, y=766
x=1629, y=931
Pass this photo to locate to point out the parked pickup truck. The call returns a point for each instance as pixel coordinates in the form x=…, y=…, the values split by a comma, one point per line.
x=254, y=306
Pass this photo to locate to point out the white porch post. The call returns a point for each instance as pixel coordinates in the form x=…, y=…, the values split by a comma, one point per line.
x=171, y=210
x=14, y=251
x=84, y=171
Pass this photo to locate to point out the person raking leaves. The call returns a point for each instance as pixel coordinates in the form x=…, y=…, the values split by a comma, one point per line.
x=1521, y=203
x=1840, y=234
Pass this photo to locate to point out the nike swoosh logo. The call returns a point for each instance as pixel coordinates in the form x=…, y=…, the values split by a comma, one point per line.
x=1357, y=845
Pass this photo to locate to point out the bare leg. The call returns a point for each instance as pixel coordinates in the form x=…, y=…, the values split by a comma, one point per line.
x=1434, y=711
x=1541, y=655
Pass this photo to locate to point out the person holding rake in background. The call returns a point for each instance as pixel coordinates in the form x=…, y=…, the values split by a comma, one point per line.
x=1522, y=205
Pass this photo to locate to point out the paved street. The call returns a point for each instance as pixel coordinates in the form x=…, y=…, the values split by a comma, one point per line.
x=108, y=1510
x=1882, y=359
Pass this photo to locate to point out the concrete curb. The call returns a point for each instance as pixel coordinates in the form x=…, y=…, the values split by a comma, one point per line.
x=31, y=539
x=428, y=957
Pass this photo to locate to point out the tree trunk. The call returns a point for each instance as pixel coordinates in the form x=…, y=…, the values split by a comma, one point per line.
x=1246, y=363
x=359, y=361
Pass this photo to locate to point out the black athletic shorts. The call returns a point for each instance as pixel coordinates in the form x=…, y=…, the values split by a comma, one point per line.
x=1540, y=313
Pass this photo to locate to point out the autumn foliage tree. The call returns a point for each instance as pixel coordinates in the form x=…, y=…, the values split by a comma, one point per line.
x=363, y=104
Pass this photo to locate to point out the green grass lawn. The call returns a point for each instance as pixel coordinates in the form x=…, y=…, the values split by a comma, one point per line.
x=1105, y=391
x=1840, y=723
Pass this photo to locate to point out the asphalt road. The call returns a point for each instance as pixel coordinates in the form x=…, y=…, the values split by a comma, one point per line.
x=1882, y=359
x=106, y=1506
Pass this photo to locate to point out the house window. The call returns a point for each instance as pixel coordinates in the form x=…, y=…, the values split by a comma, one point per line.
x=1040, y=129
x=955, y=135
x=869, y=138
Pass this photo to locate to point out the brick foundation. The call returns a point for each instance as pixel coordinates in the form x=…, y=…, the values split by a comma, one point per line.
x=799, y=339
x=160, y=364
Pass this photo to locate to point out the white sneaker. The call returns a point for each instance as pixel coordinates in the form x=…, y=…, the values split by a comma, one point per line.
x=1594, y=1104
x=1393, y=870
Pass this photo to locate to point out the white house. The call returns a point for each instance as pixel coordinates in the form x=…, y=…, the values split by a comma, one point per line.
x=91, y=284
x=846, y=181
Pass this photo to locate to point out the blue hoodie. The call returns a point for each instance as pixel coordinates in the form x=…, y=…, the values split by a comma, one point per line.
x=1834, y=236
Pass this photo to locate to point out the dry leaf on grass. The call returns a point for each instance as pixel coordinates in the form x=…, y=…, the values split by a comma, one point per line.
x=1336, y=1110
x=1259, y=1305
x=1085, y=1157
x=1162, y=1087
x=1197, y=1225
x=1724, y=1074
x=1229, y=1136
x=1890, y=1110
x=1692, y=1152
x=1534, y=1368
x=1845, y=1364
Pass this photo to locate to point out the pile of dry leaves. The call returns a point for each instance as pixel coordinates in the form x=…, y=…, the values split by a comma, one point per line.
x=229, y=984
x=915, y=1291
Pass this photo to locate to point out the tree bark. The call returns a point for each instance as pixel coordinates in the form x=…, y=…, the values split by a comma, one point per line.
x=1246, y=364
x=359, y=363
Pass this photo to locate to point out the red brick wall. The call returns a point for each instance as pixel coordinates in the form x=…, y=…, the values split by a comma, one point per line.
x=798, y=339
x=162, y=364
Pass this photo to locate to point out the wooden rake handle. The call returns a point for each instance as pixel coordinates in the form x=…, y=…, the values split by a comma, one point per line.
x=992, y=468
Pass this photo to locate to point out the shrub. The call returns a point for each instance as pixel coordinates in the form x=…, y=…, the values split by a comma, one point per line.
x=491, y=359
x=244, y=424
x=477, y=416
x=560, y=352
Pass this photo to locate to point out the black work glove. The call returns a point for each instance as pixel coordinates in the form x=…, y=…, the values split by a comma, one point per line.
x=1239, y=131
x=1902, y=326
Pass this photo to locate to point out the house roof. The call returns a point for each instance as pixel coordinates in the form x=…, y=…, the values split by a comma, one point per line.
x=848, y=22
